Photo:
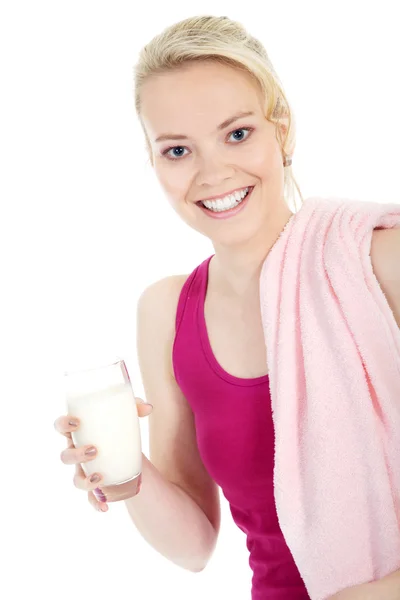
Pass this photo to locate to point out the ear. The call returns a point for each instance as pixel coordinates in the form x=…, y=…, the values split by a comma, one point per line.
x=283, y=125
x=281, y=129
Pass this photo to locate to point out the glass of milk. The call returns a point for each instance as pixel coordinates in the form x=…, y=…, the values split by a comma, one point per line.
x=103, y=400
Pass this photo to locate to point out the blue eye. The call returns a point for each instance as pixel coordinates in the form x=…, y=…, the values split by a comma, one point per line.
x=174, y=148
x=248, y=129
x=180, y=148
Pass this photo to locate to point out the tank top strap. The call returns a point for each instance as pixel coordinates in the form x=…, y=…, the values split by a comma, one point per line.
x=193, y=292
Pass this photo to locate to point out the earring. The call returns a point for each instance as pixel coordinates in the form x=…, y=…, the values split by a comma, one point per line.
x=287, y=161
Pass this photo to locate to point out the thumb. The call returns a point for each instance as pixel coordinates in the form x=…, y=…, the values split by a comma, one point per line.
x=143, y=408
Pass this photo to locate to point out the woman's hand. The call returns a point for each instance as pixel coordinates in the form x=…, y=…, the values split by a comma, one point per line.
x=75, y=456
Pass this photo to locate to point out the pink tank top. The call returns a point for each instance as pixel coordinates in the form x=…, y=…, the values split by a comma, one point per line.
x=235, y=436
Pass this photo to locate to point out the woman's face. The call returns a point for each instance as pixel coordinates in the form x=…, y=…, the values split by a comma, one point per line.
x=198, y=157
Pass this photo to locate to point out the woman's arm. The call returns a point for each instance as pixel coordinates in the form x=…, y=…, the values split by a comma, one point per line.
x=387, y=588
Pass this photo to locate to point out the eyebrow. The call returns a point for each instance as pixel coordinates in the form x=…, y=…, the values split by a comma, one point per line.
x=175, y=136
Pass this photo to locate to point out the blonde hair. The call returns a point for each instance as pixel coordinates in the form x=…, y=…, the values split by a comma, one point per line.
x=219, y=39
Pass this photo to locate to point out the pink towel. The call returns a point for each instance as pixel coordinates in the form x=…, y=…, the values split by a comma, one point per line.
x=333, y=351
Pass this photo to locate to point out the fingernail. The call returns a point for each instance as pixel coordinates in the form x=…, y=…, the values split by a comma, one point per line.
x=91, y=451
x=99, y=495
x=73, y=423
x=94, y=478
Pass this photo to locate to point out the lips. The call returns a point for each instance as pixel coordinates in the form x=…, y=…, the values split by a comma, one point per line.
x=226, y=214
x=248, y=187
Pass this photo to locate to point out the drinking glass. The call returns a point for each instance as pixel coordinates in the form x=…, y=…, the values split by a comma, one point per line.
x=103, y=400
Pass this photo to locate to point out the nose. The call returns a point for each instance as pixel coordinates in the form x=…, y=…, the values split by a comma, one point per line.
x=213, y=170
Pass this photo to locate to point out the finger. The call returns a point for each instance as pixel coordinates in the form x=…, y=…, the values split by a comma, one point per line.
x=144, y=409
x=83, y=482
x=66, y=424
x=88, y=483
x=100, y=506
x=72, y=455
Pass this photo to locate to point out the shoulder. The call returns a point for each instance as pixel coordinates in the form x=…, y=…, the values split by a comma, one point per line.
x=385, y=259
x=157, y=306
x=160, y=297
x=155, y=323
x=385, y=252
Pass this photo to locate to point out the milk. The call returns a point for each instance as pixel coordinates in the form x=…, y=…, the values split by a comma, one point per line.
x=109, y=421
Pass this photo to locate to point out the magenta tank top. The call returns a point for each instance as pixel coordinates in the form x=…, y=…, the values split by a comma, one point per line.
x=235, y=436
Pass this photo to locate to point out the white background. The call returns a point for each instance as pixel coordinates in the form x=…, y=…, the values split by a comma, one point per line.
x=84, y=228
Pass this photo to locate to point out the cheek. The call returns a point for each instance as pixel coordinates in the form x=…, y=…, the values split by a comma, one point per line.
x=173, y=182
x=168, y=178
x=264, y=160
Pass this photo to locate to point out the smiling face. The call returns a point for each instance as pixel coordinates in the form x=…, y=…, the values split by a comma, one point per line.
x=204, y=153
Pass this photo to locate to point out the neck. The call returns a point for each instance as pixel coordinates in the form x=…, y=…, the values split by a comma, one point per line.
x=236, y=270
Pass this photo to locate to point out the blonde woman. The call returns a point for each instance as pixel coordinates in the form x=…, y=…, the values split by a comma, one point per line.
x=220, y=136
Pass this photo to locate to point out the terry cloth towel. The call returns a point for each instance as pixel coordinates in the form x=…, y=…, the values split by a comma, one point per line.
x=333, y=352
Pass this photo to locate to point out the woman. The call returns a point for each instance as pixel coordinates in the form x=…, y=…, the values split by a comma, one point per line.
x=220, y=137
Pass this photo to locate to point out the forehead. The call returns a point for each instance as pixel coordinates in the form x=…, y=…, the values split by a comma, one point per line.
x=200, y=94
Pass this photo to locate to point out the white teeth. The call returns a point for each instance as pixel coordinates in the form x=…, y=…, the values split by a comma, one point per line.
x=226, y=203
